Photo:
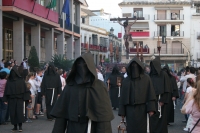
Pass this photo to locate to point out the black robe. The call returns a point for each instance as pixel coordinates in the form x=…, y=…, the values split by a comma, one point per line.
x=79, y=103
x=114, y=88
x=15, y=94
x=161, y=86
x=173, y=93
x=51, y=86
x=137, y=99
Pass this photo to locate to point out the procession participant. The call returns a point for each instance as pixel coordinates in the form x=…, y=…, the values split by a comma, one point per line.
x=137, y=98
x=160, y=80
x=123, y=72
x=173, y=95
x=16, y=93
x=84, y=103
x=51, y=88
x=114, y=87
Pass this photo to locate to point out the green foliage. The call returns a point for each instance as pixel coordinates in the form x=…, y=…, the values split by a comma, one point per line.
x=33, y=60
x=106, y=60
x=61, y=62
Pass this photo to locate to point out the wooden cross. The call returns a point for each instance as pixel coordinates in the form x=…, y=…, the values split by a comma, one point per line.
x=127, y=28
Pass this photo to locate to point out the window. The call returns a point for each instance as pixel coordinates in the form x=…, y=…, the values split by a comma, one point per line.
x=138, y=12
x=175, y=15
x=7, y=44
x=175, y=30
x=197, y=9
x=161, y=14
x=162, y=30
x=83, y=20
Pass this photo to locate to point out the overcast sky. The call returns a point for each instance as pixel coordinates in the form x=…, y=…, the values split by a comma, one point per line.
x=109, y=6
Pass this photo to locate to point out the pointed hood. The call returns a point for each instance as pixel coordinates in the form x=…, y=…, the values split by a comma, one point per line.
x=88, y=58
x=135, y=59
x=166, y=69
x=156, y=64
x=14, y=74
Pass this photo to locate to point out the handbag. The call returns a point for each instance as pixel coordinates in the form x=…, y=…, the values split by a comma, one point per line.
x=194, y=126
x=122, y=126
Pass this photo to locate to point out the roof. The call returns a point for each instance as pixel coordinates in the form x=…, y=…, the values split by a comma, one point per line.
x=156, y=3
x=88, y=12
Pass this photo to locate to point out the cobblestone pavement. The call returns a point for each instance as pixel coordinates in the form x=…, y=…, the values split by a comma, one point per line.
x=43, y=126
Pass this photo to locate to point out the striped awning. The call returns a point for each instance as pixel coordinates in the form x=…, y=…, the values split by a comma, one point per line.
x=168, y=8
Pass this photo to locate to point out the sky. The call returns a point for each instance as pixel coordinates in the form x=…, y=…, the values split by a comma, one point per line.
x=109, y=6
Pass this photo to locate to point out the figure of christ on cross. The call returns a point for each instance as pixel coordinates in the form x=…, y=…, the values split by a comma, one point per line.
x=127, y=27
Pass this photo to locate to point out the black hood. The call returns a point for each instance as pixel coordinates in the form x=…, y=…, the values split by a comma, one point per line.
x=51, y=69
x=14, y=73
x=88, y=58
x=115, y=70
x=156, y=64
x=166, y=69
x=135, y=59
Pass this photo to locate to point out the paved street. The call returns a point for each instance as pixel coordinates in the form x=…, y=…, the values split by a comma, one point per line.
x=43, y=126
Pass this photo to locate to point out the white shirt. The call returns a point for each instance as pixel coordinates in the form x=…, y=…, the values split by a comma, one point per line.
x=2, y=64
x=184, y=79
x=39, y=79
x=63, y=82
x=179, y=85
x=189, y=89
x=100, y=76
x=25, y=65
x=34, y=86
x=125, y=75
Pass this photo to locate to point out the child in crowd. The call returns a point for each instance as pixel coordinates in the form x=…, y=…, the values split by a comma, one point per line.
x=28, y=104
x=60, y=72
x=39, y=96
x=34, y=86
x=3, y=106
x=189, y=94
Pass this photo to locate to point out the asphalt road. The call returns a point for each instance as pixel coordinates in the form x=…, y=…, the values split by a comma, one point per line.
x=43, y=126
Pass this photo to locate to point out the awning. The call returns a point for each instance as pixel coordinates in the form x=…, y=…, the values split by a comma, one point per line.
x=161, y=8
x=88, y=12
x=168, y=8
x=176, y=8
x=140, y=26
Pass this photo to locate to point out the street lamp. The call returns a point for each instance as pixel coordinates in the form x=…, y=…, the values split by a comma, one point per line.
x=111, y=36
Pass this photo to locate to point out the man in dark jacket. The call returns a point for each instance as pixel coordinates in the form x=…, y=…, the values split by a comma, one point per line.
x=137, y=98
x=160, y=80
x=84, y=105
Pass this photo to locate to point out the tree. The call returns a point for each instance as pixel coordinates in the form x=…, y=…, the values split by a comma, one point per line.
x=61, y=62
x=33, y=60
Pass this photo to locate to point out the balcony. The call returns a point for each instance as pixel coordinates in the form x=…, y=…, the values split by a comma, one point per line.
x=171, y=51
x=94, y=47
x=134, y=51
x=171, y=19
x=33, y=7
x=140, y=34
x=175, y=34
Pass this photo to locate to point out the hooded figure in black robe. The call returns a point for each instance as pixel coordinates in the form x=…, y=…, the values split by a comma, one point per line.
x=51, y=87
x=84, y=99
x=114, y=88
x=15, y=94
x=173, y=95
x=161, y=84
x=137, y=98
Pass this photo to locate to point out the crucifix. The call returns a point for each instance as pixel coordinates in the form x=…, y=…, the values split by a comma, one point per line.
x=127, y=27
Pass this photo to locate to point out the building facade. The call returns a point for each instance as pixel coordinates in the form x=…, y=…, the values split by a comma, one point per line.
x=155, y=19
x=30, y=23
x=95, y=38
